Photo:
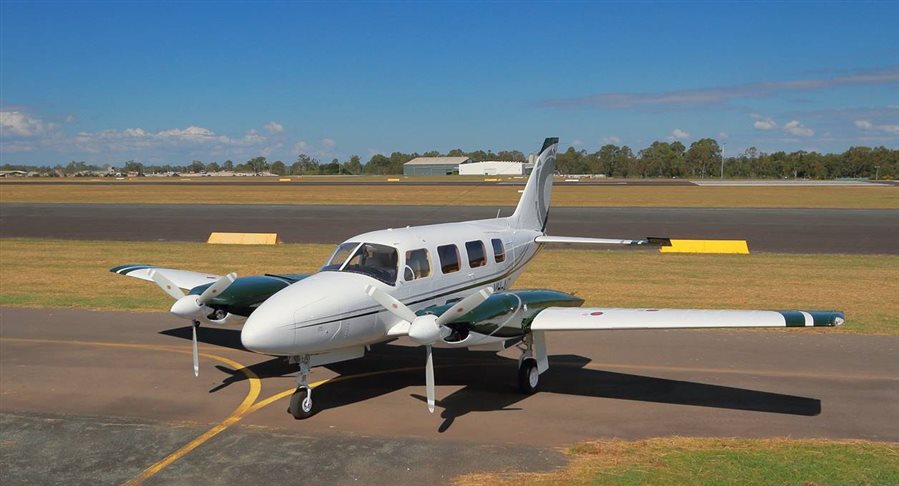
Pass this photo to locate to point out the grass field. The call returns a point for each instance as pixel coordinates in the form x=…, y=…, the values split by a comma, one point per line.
x=50, y=273
x=679, y=461
x=298, y=193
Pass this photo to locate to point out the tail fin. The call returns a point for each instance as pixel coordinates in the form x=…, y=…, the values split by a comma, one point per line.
x=533, y=208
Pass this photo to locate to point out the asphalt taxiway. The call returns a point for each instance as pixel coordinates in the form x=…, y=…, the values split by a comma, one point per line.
x=854, y=231
x=110, y=396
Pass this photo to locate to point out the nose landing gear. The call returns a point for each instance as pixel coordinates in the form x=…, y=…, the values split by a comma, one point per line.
x=301, y=400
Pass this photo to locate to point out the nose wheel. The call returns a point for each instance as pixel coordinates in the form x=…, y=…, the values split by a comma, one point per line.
x=301, y=400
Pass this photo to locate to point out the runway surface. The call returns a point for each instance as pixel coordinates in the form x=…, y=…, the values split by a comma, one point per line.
x=854, y=231
x=102, y=396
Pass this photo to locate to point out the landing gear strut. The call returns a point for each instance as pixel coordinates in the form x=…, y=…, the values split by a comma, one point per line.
x=301, y=400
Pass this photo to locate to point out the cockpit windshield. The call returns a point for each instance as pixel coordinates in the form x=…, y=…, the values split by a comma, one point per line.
x=376, y=261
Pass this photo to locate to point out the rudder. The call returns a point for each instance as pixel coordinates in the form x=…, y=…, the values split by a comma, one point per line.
x=533, y=207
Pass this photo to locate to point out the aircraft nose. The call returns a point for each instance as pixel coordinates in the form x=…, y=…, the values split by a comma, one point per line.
x=268, y=331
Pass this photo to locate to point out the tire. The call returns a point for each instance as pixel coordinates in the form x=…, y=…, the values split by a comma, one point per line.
x=528, y=376
x=301, y=404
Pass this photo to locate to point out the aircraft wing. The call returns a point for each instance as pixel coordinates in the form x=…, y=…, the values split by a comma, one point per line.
x=602, y=241
x=182, y=278
x=584, y=319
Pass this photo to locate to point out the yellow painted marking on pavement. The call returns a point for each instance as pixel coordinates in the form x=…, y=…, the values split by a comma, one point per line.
x=707, y=246
x=234, y=417
x=286, y=179
x=393, y=180
x=219, y=238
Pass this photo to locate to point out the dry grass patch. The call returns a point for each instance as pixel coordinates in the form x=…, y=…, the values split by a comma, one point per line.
x=57, y=273
x=573, y=196
x=680, y=460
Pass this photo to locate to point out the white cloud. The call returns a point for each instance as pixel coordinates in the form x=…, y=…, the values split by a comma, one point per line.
x=719, y=95
x=766, y=124
x=723, y=135
x=795, y=128
x=18, y=124
x=868, y=126
x=300, y=147
x=274, y=127
x=679, y=134
x=328, y=143
x=610, y=139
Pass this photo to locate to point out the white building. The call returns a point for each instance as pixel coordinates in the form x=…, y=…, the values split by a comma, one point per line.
x=495, y=167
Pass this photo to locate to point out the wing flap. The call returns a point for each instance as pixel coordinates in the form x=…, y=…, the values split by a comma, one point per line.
x=583, y=319
x=184, y=279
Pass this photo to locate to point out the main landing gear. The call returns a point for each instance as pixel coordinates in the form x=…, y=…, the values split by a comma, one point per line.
x=301, y=400
x=528, y=373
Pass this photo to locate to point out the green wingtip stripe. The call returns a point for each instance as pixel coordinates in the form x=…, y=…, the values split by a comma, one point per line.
x=819, y=318
x=124, y=269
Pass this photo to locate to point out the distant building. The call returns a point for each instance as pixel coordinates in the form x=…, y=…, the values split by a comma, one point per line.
x=495, y=167
x=425, y=166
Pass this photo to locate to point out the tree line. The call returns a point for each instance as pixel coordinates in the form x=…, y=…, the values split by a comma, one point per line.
x=702, y=159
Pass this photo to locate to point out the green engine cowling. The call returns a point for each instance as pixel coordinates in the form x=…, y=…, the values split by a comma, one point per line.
x=245, y=294
x=504, y=314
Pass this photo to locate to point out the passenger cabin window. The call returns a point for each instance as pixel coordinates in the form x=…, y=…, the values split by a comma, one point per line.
x=376, y=261
x=477, y=257
x=418, y=265
x=499, y=252
x=449, y=258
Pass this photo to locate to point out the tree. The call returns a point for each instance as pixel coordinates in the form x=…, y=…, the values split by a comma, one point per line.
x=228, y=165
x=196, y=167
x=304, y=165
x=258, y=165
x=278, y=168
x=703, y=158
x=132, y=166
x=212, y=167
x=354, y=166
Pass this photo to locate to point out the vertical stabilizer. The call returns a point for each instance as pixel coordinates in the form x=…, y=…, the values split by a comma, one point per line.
x=533, y=208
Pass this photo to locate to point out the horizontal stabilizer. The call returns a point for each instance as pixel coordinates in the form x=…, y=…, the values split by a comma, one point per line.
x=652, y=241
x=584, y=319
x=182, y=278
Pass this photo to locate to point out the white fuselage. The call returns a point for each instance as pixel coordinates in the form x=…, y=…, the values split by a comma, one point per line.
x=330, y=310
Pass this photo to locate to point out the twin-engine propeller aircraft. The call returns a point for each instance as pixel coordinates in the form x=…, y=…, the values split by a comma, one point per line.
x=444, y=285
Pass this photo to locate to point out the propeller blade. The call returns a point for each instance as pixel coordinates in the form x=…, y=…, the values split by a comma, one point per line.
x=217, y=288
x=390, y=303
x=464, y=306
x=429, y=379
x=166, y=285
x=196, y=353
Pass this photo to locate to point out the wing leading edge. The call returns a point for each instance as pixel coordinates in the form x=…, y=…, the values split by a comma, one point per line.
x=184, y=279
x=585, y=319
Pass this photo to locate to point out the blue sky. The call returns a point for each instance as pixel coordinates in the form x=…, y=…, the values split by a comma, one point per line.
x=171, y=82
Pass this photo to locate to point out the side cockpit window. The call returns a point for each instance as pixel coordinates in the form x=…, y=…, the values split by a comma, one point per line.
x=418, y=265
x=449, y=258
x=340, y=256
x=376, y=261
x=499, y=251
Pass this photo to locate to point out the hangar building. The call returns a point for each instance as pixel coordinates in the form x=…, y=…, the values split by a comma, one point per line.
x=424, y=166
x=495, y=167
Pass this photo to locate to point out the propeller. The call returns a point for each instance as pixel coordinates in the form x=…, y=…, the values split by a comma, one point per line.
x=428, y=329
x=191, y=306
